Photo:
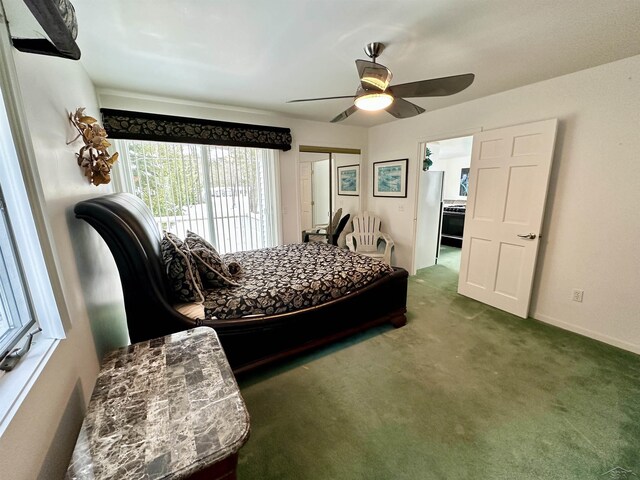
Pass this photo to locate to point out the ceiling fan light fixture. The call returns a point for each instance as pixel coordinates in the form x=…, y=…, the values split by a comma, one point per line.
x=373, y=102
x=375, y=81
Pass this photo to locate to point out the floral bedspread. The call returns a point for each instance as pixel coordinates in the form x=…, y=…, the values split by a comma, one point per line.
x=291, y=277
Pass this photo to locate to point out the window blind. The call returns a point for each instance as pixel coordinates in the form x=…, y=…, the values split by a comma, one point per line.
x=228, y=195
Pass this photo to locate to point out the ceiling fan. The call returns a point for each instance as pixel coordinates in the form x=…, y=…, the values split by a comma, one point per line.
x=374, y=92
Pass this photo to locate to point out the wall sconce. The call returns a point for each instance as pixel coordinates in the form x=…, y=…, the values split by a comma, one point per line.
x=93, y=157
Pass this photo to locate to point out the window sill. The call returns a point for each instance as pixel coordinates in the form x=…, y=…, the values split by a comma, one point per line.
x=15, y=385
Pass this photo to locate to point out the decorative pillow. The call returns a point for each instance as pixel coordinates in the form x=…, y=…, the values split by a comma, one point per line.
x=183, y=275
x=212, y=269
x=234, y=267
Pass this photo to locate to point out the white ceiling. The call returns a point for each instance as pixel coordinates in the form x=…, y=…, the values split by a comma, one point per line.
x=259, y=54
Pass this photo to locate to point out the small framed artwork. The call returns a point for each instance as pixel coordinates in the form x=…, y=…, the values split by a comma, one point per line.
x=390, y=178
x=464, y=182
x=349, y=180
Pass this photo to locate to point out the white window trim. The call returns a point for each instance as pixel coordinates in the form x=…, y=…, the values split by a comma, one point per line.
x=277, y=206
x=24, y=201
x=15, y=385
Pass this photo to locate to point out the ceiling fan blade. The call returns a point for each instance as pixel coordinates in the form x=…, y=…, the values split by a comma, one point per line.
x=322, y=98
x=352, y=109
x=373, y=76
x=400, y=108
x=435, y=87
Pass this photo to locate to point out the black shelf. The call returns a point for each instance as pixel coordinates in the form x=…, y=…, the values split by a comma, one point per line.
x=451, y=241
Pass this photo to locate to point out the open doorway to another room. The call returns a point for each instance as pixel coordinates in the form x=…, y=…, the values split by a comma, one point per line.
x=442, y=198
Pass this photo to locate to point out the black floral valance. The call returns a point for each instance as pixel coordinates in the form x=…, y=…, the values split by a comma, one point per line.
x=166, y=128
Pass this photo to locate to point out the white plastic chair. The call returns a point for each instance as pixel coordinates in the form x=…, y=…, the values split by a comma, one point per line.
x=366, y=237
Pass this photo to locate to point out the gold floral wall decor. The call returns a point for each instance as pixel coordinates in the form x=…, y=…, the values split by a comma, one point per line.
x=93, y=157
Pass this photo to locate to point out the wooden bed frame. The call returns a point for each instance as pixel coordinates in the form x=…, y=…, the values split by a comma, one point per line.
x=129, y=229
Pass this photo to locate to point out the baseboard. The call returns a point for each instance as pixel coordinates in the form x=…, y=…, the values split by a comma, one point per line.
x=631, y=347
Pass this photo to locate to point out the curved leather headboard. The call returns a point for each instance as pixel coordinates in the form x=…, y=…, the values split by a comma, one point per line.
x=127, y=226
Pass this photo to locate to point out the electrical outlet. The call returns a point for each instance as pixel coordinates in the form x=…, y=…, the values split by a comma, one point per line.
x=577, y=295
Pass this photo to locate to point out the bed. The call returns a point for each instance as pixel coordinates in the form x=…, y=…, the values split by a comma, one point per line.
x=255, y=329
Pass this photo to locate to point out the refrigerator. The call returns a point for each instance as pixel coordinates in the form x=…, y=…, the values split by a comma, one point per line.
x=429, y=218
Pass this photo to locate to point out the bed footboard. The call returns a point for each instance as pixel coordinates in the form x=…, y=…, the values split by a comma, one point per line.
x=250, y=343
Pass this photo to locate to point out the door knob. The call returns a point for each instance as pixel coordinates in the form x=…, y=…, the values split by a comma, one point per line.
x=528, y=236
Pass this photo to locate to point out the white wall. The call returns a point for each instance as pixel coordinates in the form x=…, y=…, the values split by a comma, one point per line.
x=40, y=438
x=304, y=132
x=591, y=227
x=452, y=168
x=450, y=157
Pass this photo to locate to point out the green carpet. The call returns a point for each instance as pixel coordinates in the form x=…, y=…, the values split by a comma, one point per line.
x=463, y=391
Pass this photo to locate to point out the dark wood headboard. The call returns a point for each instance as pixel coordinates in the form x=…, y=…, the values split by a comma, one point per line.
x=130, y=231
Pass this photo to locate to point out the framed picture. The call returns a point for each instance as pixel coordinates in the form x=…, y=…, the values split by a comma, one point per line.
x=390, y=178
x=349, y=180
x=464, y=182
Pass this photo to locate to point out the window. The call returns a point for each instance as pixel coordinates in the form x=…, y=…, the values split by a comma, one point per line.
x=15, y=309
x=228, y=195
x=28, y=277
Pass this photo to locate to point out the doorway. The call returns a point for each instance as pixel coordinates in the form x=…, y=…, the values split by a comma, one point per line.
x=506, y=181
x=442, y=197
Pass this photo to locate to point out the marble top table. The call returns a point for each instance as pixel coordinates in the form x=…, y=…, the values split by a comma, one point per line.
x=167, y=408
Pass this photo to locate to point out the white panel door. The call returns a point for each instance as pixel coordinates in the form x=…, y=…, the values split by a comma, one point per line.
x=321, y=190
x=306, y=201
x=508, y=181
